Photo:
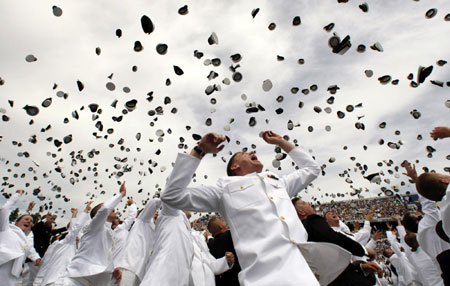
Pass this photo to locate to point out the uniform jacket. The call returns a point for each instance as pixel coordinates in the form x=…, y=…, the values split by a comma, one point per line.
x=139, y=246
x=59, y=254
x=218, y=246
x=170, y=262
x=14, y=243
x=204, y=266
x=94, y=255
x=257, y=208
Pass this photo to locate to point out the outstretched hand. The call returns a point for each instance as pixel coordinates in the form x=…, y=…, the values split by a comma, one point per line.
x=117, y=274
x=272, y=137
x=410, y=171
x=88, y=206
x=229, y=256
x=440, y=132
x=123, y=190
x=211, y=143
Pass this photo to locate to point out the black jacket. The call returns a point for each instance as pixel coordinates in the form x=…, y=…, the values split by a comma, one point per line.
x=218, y=246
x=42, y=235
x=319, y=231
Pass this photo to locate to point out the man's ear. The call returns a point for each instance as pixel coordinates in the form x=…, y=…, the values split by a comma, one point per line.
x=235, y=167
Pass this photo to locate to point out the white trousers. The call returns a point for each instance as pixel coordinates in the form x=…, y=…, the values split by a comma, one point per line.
x=128, y=279
x=29, y=273
x=6, y=278
x=102, y=279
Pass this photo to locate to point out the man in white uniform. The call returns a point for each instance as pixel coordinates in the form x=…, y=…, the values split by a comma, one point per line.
x=15, y=245
x=170, y=262
x=256, y=206
x=205, y=266
x=60, y=253
x=122, y=230
x=93, y=264
x=133, y=258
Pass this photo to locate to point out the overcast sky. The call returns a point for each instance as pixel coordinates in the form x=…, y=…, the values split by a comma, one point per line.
x=65, y=49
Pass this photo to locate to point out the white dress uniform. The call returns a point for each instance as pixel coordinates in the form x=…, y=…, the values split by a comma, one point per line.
x=405, y=269
x=15, y=246
x=427, y=237
x=122, y=230
x=133, y=258
x=93, y=264
x=170, y=262
x=205, y=266
x=445, y=212
x=59, y=254
x=258, y=210
x=428, y=270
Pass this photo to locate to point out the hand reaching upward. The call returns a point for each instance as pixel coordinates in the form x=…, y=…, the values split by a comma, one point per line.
x=123, y=190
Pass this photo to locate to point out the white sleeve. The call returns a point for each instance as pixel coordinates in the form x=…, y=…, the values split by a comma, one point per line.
x=5, y=211
x=301, y=178
x=147, y=213
x=431, y=213
x=30, y=251
x=394, y=244
x=219, y=266
x=445, y=212
x=100, y=218
x=131, y=216
x=372, y=244
x=179, y=196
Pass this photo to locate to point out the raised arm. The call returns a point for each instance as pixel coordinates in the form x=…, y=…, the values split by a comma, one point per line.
x=131, y=216
x=202, y=198
x=100, y=218
x=309, y=169
x=445, y=212
x=5, y=211
x=147, y=213
x=393, y=241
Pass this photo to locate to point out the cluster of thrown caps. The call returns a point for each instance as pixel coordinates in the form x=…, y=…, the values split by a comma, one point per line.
x=148, y=27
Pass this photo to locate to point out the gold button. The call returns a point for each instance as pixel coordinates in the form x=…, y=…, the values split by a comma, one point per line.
x=276, y=185
x=270, y=197
x=262, y=177
x=242, y=187
x=282, y=217
x=293, y=241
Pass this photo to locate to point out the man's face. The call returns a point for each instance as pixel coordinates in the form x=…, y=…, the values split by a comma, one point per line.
x=332, y=218
x=25, y=223
x=247, y=163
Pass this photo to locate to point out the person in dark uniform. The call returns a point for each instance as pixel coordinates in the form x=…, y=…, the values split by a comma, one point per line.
x=359, y=273
x=220, y=243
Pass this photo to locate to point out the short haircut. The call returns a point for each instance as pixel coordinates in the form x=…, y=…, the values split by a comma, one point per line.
x=95, y=210
x=385, y=253
x=410, y=222
x=429, y=185
x=295, y=200
x=230, y=172
x=212, y=225
x=411, y=241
